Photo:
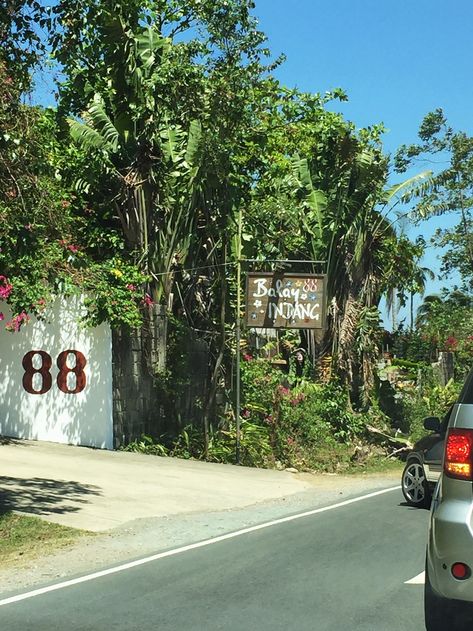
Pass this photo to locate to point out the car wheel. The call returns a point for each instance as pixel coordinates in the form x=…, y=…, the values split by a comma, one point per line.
x=436, y=609
x=415, y=488
x=441, y=613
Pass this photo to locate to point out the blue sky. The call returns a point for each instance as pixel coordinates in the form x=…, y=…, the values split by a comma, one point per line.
x=396, y=59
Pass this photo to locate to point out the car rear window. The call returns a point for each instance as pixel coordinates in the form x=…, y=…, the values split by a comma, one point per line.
x=466, y=395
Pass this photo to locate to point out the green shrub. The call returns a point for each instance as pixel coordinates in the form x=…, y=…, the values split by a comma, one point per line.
x=259, y=381
x=146, y=446
x=435, y=401
x=311, y=424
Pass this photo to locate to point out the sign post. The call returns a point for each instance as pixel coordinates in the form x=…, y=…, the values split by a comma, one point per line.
x=238, y=339
x=276, y=300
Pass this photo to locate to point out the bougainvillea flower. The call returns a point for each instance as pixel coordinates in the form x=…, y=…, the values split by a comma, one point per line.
x=5, y=287
x=17, y=321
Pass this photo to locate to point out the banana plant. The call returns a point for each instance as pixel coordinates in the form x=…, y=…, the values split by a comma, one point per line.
x=150, y=163
x=347, y=224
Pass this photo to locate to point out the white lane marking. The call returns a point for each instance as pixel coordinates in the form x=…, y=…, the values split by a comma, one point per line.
x=192, y=546
x=417, y=580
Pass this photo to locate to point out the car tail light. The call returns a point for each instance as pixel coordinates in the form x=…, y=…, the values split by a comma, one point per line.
x=461, y=571
x=458, y=461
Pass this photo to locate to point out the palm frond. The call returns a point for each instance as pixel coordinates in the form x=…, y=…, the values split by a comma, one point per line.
x=86, y=136
x=100, y=121
x=193, y=142
x=315, y=198
x=415, y=186
x=147, y=44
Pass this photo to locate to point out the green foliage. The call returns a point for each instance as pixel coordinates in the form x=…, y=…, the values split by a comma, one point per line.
x=328, y=403
x=445, y=322
x=307, y=423
x=407, y=368
x=431, y=400
x=452, y=189
x=308, y=426
x=27, y=537
x=415, y=410
x=146, y=446
x=181, y=385
x=405, y=363
x=260, y=381
x=440, y=398
x=114, y=293
x=411, y=346
x=255, y=448
x=22, y=44
x=177, y=124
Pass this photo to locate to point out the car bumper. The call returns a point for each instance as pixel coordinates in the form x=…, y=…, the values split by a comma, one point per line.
x=451, y=539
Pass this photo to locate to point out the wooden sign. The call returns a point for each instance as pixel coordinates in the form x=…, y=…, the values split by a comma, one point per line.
x=279, y=300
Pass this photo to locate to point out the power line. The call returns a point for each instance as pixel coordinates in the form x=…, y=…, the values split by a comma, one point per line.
x=214, y=265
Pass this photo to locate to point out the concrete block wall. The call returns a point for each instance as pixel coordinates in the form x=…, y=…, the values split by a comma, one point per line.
x=136, y=357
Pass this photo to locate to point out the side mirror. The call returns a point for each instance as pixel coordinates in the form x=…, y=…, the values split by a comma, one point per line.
x=432, y=423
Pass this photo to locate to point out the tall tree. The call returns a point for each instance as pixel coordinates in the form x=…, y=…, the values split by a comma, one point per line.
x=452, y=190
x=166, y=93
x=324, y=197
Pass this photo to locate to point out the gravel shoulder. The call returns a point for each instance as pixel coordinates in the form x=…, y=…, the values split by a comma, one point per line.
x=148, y=535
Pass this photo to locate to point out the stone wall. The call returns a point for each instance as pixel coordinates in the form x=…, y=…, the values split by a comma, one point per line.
x=444, y=368
x=136, y=357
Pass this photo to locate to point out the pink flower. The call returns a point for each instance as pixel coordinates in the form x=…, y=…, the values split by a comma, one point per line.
x=2, y=317
x=147, y=300
x=247, y=357
x=6, y=289
x=451, y=343
x=131, y=287
x=296, y=400
x=17, y=321
x=245, y=413
x=73, y=248
x=283, y=391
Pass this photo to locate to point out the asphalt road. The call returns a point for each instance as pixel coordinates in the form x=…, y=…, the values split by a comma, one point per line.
x=344, y=568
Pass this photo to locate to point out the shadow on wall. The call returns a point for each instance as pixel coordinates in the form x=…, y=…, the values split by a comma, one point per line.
x=40, y=496
x=84, y=418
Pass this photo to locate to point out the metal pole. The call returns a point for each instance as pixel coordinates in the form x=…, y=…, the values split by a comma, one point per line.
x=238, y=338
x=238, y=394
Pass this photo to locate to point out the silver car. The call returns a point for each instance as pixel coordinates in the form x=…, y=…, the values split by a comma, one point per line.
x=448, y=597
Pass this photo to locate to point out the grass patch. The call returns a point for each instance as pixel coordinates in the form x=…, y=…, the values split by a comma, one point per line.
x=378, y=464
x=24, y=538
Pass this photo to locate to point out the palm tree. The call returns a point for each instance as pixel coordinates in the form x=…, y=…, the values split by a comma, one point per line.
x=425, y=310
x=350, y=229
x=419, y=282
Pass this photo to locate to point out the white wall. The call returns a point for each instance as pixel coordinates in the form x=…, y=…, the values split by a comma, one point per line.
x=84, y=418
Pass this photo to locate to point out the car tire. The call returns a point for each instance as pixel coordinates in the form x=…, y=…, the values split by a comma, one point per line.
x=415, y=487
x=441, y=614
x=436, y=609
